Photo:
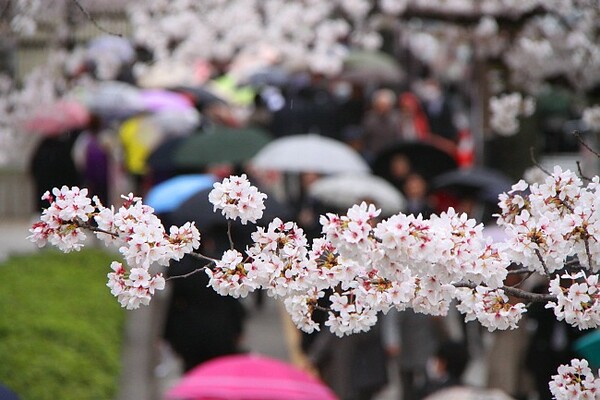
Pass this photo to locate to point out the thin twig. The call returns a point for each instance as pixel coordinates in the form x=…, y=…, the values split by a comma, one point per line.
x=515, y=292
x=187, y=274
x=577, y=135
x=581, y=175
x=231, y=245
x=93, y=20
x=541, y=259
x=201, y=256
x=536, y=163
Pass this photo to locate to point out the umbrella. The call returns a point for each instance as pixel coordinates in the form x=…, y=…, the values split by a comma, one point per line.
x=62, y=116
x=113, y=99
x=197, y=208
x=200, y=96
x=267, y=76
x=424, y=158
x=588, y=346
x=175, y=122
x=156, y=100
x=371, y=66
x=162, y=158
x=112, y=45
x=170, y=194
x=345, y=190
x=249, y=377
x=220, y=144
x=309, y=153
x=483, y=183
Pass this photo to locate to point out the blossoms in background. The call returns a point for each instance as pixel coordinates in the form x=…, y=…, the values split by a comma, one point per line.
x=505, y=111
x=591, y=117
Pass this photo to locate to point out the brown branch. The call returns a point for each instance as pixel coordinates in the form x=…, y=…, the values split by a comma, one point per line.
x=577, y=135
x=231, y=244
x=93, y=20
x=515, y=292
x=536, y=163
x=581, y=175
x=187, y=274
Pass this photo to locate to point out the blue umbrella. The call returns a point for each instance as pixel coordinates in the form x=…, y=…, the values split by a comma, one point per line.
x=170, y=194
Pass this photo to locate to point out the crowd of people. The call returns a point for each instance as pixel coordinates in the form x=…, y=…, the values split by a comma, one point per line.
x=429, y=354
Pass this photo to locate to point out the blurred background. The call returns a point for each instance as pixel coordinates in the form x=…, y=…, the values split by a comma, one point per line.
x=413, y=105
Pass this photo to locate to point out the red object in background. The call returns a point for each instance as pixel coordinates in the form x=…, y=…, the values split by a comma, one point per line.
x=54, y=119
x=249, y=377
x=465, y=150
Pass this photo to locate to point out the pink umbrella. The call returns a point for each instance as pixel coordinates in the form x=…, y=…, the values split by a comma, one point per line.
x=56, y=118
x=249, y=377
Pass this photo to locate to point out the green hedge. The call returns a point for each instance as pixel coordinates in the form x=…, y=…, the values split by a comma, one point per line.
x=60, y=328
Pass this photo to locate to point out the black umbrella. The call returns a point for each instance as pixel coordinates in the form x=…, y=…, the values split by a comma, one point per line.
x=201, y=96
x=162, y=159
x=425, y=159
x=484, y=184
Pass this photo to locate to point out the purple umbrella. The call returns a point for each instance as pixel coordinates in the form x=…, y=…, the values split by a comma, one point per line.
x=156, y=100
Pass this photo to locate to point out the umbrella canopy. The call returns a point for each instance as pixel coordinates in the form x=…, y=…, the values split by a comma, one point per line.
x=62, y=116
x=267, y=76
x=424, y=158
x=200, y=96
x=345, y=190
x=482, y=183
x=170, y=194
x=309, y=153
x=371, y=66
x=162, y=158
x=114, y=100
x=249, y=377
x=198, y=209
x=220, y=144
x=156, y=100
x=115, y=46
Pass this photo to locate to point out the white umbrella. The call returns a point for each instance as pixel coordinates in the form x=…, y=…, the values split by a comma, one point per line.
x=345, y=190
x=309, y=153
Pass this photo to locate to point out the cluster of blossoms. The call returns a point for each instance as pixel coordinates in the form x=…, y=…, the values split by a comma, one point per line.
x=579, y=305
x=505, y=111
x=575, y=382
x=133, y=229
x=364, y=265
x=236, y=198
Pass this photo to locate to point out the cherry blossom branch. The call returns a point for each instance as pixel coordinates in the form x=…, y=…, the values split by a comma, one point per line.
x=186, y=275
x=229, y=235
x=515, y=292
x=541, y=259
x=94, y=229
x=93, y=20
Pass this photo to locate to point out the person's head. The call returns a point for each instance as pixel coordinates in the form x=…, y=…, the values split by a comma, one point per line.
x=415, y=186
x=451, y=359
x=383, y=100
x=400, y=166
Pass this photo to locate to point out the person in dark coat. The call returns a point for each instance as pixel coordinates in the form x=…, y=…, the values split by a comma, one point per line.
x=353, y=366
x=201, y=324
x=52, y=166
